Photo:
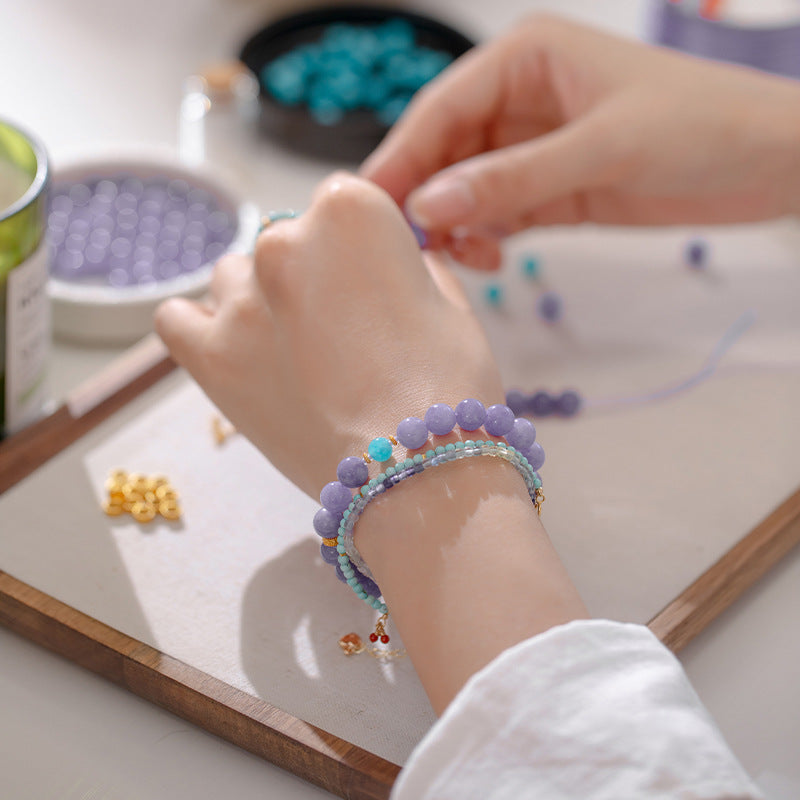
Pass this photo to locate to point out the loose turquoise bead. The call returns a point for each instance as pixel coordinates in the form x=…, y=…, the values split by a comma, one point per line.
x=380, y=449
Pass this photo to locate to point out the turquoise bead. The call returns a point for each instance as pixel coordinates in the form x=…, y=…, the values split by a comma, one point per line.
x=537, y=484
x=449, y=447
x=380, y=449
x=372, y=482
x=381, y=478
x=390, y=471
x=459, y=445
x=418, y=459
x=440, y=450
x=430, y=454
x=346, y=514
x=343, y=559
x=364, y=491
x=408, y=463
x=341, y=548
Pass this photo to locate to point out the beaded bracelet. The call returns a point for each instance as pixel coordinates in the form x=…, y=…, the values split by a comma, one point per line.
x=335, y=521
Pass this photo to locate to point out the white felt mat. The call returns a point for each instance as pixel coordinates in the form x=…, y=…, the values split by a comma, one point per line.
x=639, y=501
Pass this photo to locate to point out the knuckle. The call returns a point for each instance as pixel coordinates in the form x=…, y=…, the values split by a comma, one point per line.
x=275, y=251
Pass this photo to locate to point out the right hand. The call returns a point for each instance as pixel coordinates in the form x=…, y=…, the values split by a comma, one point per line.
x=556, y=123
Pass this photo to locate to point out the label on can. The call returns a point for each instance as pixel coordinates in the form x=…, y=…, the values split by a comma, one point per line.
x=27, y=340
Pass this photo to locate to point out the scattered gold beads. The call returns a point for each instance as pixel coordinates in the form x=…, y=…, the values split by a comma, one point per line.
x=221, y=429
x=142, y=496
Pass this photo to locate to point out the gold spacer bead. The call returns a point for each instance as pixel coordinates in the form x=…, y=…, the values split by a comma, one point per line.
x=143, y=512
x=330, y=542
x=392, y=439
x=166, y=492
x=112, y=509
x=154, y=481
x=366, y=458
x=169, y=509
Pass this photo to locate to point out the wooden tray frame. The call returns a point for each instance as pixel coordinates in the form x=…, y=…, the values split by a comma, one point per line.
x=249, y=722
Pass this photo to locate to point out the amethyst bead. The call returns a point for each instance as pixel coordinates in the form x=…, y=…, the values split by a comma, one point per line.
x=340, y=574
x=517, y=402
x=522, y=435
x=326, y=524
x=499, y=420
x=535, y=455
x=440, y=419
x=696, y=253
x=568, y=404
x=541, y=404
x=330, y=555
x=550, y=307
x=352, y=472
x=470, y=414
x=412, y=433
x=335, y=497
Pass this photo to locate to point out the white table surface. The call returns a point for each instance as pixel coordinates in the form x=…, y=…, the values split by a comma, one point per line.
x=88, y=74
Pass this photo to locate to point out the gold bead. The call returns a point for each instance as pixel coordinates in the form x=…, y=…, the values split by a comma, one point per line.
x=116, y=496
x=118, y=475
x=154, y=481
x=143, y=512
x=366, y=458
x=392, y=439
x=112, y=509
x=330, y=542
x=166, y=492
x=169, y=509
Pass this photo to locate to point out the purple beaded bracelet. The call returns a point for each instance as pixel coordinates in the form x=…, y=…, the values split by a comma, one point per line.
x=337, y=498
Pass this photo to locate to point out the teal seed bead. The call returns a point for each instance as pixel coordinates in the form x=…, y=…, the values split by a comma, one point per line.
x=352, y=581
x=449, y=447
x=439, y=450
x=381, y=478
x=524, y=461
x=430, y=454
x=390, y=471
x=460, y=445
x=537, y=483
x=409, y=462
x=418, y=459
x=372, y=482
x=469, y=443
x=344, y=559
x=364, y=491
x=346, y=514
x=341, y=548
x=380, y=449
x=362, y=595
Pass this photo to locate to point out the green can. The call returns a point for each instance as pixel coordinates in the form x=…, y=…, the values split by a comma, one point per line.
x=24, y=272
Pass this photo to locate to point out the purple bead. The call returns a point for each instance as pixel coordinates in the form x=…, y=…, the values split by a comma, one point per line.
x=522, y=435
x=412, y=433
x=340, y=574
x=330, y=555
x=550, y=307
x=335, y=497
x=568, y=404
x=535, y=455
x=470, y=414
x=440, y=419
x=367, y=584
x=541, y=405
x=352, y=472
x=326, y=524
x=499, y=420
x=696, y=253
x=517, y=402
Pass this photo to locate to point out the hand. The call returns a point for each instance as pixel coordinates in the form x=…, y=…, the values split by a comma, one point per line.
x=337, y=332
x=556, y=123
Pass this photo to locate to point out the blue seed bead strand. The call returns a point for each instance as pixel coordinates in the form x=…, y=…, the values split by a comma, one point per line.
x=352, y=567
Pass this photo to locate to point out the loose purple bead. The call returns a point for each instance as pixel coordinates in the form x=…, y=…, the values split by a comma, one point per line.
x=522, y=435
x=541, y=405
x=499, y=420
x=335, y=497
x=470, y=414
x=412, y=433
x=568, y=404
x=535, y=455
x=326, y=524
x=330, y=555
x=517, y=402
x=352, y=472
x=440, y=419
x=696, y=253
x=550, y=307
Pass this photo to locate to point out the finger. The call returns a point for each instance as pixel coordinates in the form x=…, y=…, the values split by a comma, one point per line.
x=457, y=104
x=477, y=252
x=229, y=275
x=513, y=182
x=183, y=326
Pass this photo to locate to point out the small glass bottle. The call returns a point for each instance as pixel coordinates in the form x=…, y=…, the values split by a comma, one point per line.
x=24, y=304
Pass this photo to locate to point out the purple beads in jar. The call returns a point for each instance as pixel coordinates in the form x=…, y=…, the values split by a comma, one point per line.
x=122, y=230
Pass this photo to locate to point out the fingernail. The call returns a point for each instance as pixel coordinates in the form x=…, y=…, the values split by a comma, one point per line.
x=441, y=202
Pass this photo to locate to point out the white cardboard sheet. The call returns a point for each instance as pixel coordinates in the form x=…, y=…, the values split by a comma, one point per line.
x=640, y=500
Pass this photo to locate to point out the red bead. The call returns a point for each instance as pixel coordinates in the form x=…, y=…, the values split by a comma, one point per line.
x=385, y=639
x=373, y=637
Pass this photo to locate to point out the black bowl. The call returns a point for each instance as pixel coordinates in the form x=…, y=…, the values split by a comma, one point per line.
x=359, y=131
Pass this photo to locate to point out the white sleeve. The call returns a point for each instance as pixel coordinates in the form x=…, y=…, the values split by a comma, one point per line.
x=591, y=710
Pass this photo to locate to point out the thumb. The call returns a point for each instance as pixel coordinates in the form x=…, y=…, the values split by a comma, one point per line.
x=506, y=184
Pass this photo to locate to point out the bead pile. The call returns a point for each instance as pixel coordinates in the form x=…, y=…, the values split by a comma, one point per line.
x=335, y=521
x=120, y=230
x=372, y=67
x=142, y=496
